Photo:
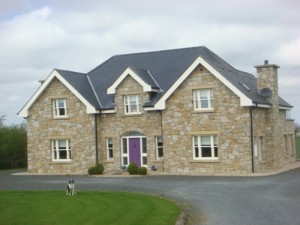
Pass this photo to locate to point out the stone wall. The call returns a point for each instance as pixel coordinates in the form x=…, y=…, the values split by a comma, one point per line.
x=118, y=124
x=42, y=128
x=228, y=120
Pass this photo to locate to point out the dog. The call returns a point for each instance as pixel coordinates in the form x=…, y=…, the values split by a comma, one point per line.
x=71, y=188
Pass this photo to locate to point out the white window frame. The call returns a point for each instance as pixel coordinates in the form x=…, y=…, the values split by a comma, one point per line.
x=109, y=149
x=57, y=108
x=56, y=156
x=198, y=99
x=198, y=147
x=129, y=107
x=288, y=114
x=157, y=141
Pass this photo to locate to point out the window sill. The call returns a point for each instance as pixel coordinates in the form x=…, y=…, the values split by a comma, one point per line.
x=205, y=161
x=203, y=111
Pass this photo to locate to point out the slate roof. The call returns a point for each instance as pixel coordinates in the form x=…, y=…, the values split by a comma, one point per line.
x=159, y=69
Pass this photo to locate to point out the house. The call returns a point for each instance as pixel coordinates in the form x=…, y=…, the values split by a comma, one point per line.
x=184, y=111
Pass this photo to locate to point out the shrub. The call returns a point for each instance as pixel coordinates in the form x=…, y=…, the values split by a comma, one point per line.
x=132, y=168
x=142, y=171
x=96, y=170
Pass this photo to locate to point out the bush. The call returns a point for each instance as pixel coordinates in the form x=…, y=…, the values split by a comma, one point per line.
x=132, y=168
x=96, y=170
x=142, y=171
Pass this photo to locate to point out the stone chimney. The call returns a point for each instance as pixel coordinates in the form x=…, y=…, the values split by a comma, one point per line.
x=267, y=78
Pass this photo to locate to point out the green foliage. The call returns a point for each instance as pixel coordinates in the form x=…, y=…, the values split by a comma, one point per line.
x=13, y=146
x=109, y=208
x=142, y=171
x=132, y=168
x=96, y=170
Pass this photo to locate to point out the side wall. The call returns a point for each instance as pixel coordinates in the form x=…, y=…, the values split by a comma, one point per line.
x=42, y=128
x=228, y=120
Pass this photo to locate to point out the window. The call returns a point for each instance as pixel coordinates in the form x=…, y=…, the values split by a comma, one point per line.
x=144, y=151
x=59, y=107
x=205, y=147
x=159, y=148
x=110, y=150
x=132, y=104
x=288, y=114
x=61, y=150
x=203, y=99
x=125, y=152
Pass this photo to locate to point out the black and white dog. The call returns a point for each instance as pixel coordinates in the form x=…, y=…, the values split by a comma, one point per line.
x=71, y=187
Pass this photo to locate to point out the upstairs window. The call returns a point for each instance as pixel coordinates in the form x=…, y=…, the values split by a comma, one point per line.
x=203, y=99
x=132, y=104
x=288, y=115
x=61, y=150
x=205, y=147
x=59, y=108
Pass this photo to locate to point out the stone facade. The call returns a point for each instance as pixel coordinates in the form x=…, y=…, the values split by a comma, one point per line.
x=272, y=145
x=42, y=128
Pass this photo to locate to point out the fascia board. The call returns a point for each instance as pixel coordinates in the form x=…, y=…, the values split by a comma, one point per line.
x=24, y=111
x=244, y=100
x=128, y=71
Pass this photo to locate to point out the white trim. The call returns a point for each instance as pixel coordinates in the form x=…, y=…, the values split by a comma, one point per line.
x=285, y=107
x=263, y=106
x=129, y=71
x=98, y=100
x=108, y=111
x=25, y=110
x=161, y=104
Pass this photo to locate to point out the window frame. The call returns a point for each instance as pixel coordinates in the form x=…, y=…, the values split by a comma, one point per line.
x=57, y=108
x=198, y=99
x=158, y=148
x=109, y=149
x=198, y=147
x=129, y=107
x=56, y=151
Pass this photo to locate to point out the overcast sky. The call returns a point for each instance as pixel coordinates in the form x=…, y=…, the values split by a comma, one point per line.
x=37, y=36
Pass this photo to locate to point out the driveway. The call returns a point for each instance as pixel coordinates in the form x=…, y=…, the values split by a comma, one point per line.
x=268, y=200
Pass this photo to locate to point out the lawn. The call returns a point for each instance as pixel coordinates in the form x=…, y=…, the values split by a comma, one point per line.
x=298, y=146
x=86, y=208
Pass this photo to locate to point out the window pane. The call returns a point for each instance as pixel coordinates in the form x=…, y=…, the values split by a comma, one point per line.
x=206, y=151
x=160, y=153
x=144, y=143
x=62, y=144
x=62, y=154
x=203, y=94
x=144, y=160
x=62, y=112
x=111, y=153
x=204, y=104
x=61, y=103
x=216, y=151
x=205, y=140
x=124, y=146
x=196, y=152
x=125, y=161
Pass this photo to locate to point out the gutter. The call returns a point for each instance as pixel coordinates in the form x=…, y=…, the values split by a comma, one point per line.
x=252, y=136
x=96, y=138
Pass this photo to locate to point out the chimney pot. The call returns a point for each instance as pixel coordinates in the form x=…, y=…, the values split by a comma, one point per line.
x=266, y=62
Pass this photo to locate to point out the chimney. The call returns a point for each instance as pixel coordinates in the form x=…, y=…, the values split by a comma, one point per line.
x=267, y=78
x=41, y=81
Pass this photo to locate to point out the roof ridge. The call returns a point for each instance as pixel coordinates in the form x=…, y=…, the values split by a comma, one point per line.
x=79, y=73
x=157, y=51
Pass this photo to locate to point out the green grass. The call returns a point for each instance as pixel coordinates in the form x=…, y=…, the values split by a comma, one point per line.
x=298, y=147
x=86, y=208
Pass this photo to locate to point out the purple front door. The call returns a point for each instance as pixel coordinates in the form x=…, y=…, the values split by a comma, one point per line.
x=135, y=151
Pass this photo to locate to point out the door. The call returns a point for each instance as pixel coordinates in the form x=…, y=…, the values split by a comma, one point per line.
x=135, y=151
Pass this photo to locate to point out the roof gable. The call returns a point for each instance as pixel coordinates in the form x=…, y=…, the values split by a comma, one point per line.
x=56, y=74
x=143, y=77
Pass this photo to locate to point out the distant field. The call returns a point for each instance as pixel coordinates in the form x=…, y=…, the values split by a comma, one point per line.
x=86, y=208
x=298, y=147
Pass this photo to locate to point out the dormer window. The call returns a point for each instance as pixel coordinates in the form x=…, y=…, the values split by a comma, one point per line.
x=132, y=104
x=59, y=108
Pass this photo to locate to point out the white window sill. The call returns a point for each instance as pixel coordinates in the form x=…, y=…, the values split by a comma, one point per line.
x=61, y=118
x=132, y=114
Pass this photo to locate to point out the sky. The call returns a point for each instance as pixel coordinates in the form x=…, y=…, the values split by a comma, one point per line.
x=37, y=36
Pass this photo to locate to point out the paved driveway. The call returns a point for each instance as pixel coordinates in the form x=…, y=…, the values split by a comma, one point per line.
x=271, y=200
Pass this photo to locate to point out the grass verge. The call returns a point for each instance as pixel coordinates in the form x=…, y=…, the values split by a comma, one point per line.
x=86, y=208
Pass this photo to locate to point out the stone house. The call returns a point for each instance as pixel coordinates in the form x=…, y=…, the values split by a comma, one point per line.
x=184, y=111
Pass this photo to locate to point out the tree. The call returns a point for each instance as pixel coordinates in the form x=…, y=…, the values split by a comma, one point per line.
x=13, y=146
